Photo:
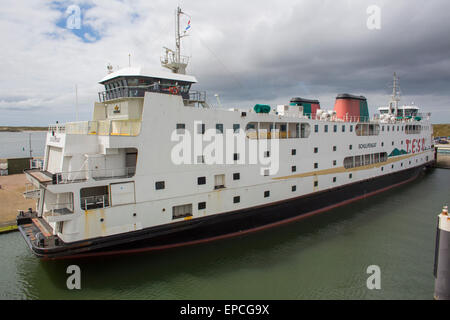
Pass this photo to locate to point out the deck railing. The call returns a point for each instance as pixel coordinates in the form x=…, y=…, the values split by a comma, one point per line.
x=97, y=174
x=58, y=208
x=94, y=202
x=102, y=128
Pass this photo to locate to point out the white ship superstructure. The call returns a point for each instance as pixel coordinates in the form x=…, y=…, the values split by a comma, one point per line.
x=112, y=182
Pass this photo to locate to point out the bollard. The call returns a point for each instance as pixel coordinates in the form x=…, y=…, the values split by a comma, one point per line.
x=442, y=257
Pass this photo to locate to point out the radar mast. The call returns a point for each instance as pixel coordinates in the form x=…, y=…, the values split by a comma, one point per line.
x=173, y=60
x=395, y=96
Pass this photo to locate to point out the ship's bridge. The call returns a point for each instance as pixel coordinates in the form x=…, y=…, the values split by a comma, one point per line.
x=406, y=112
x=133, y=82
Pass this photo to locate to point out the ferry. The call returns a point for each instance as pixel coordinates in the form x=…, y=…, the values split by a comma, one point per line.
x=158, y=167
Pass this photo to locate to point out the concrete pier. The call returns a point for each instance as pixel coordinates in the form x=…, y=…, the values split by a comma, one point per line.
x=442, y=257
x=443, y=156
x=11, y=200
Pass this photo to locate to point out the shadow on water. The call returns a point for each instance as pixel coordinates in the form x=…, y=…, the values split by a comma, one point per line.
x=174, y=273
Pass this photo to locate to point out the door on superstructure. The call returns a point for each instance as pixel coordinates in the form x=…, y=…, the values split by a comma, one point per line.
x=54, y=159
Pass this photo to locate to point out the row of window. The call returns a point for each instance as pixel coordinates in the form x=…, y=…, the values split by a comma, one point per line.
x=267, y=130
x=364, y=160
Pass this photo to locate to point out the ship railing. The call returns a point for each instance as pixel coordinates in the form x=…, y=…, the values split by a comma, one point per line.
x=139, y=91
x=96, y=174
x=94, y=202
x=334, y=118
x=31, y=192
x=105, y=127
x=197, y=96
x=57, y=209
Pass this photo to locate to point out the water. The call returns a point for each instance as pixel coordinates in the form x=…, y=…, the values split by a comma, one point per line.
x=322, y=257
x=17, y=145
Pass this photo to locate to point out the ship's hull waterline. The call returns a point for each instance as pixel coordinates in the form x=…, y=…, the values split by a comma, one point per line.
x=219, y=226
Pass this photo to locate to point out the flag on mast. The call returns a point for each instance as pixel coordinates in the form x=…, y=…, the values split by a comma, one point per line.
x=188, y=26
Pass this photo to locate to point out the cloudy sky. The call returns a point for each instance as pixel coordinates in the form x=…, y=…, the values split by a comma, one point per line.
x=246, y=51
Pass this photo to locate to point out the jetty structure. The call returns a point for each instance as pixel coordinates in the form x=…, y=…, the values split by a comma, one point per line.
x=442, y=257
x=157, y=167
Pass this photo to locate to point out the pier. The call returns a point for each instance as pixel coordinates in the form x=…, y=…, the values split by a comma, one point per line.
x=443, y=156
x=12, y=188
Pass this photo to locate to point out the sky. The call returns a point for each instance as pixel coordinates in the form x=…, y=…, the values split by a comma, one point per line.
x=246, y=52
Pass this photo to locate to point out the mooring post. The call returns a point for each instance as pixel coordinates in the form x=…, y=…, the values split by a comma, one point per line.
x=442, y=257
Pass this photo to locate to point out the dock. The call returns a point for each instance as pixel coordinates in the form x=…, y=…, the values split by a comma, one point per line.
x=12, y=188
x=443, y=156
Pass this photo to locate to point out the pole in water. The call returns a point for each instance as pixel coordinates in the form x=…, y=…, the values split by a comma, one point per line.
x=442, y=257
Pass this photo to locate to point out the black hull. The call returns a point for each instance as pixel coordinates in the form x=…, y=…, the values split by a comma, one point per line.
x=224, y=225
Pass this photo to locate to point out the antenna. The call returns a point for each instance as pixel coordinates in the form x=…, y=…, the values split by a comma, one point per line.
x=173, y=60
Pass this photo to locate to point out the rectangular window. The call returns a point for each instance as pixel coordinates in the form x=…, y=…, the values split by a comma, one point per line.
x=325, y=129
x=266, y=172
x=180, y=128
x=350, y=176
x=294, y=188
x=316, y=183
x=159, y=185
x=316, y=150
x=219, y=128
x=316, y=128
x=236, y=128
x=236, y=176
x=181, y=211
x=219, y=181
x=294, y=168
x=334, y=148
x=335, y=128
x=237, y=199
x=351, y=128
x=266, y=154
x=266, y=194
x=343, y=128
x=316, y=165
x=334, y=162
x=236, y=156
x=201, y=205
x=293, y=152
x=201, y=180
x=350, y=147
x=334, y=179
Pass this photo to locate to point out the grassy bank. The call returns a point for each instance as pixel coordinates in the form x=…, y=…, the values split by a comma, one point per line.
x=441, y=130
x=20, y=129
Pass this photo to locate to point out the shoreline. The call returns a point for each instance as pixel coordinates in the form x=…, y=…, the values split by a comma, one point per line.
x=22, y=129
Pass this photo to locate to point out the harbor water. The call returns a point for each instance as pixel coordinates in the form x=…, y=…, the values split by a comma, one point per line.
x=17, y=144
x=322, y=257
